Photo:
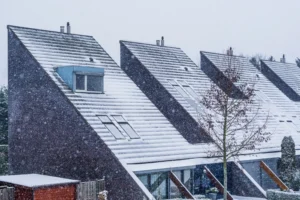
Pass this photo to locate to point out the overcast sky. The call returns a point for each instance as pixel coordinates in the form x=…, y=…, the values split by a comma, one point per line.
x=268, y=27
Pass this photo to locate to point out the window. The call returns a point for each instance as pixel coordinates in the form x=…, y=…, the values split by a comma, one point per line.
x=181, y=91
x=184, y=89
x=111, y=127
x=126, y=127
x=93, y=83
x=178, y=88
x=191, y=92
x=80, y=82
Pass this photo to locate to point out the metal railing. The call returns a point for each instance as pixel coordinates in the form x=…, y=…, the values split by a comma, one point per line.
x=89, y=190
x=7, y=193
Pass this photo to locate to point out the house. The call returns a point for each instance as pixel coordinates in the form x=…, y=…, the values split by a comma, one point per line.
x=174, y=83
x=93, y=127
x=286, y=76
x=36, y=187
x=74, y=113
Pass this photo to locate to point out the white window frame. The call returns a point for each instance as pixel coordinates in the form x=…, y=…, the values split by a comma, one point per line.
x=182, y=86
x=125, y=122
x=117, y=124
x=101, y=75
x=114, y=124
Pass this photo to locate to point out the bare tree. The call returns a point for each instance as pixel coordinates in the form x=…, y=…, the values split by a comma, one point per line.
x=230, y=115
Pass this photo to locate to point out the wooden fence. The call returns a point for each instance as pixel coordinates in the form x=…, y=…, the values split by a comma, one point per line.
x=7, y=193
x=90, y=190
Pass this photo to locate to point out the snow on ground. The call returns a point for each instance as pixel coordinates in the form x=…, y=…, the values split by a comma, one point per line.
x=246, y=198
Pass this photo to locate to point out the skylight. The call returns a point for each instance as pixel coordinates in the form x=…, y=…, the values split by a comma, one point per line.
x=178, y=88
x=191, y=92
x=126, y=127
x=116, y=123
x=184, y=89
x=111, y=127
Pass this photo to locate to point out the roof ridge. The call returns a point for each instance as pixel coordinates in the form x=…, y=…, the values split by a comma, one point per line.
x=58, y=32
x=223, y=54
x=121, y=41
x=278, y=62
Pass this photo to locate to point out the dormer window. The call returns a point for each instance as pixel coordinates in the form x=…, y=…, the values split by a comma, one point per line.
x=93, y=83
x=82, y=78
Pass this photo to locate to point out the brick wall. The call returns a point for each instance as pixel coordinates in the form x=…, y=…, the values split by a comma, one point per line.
x=57, y=193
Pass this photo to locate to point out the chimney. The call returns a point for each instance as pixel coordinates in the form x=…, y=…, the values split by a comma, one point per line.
x=230, y=52
x=282, y=59
x=62, y=29
x=158, y=42
x=162, y=41
x=68, y=28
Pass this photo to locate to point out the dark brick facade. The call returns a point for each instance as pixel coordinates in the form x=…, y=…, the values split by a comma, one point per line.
x=280, y=84
x=161, y=98
x=218, y=77
x=47, y=135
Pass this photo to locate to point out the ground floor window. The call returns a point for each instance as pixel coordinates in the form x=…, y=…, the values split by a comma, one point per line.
x=161, y=186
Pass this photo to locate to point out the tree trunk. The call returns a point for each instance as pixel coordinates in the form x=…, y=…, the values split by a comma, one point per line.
x=225, y=178
x=225, y=152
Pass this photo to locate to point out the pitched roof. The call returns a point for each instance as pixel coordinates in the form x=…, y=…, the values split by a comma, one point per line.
x=275, y=101
x=159, y=142
x=170, y=63
x=36, y=180
x=287, y=72
x=284, y=113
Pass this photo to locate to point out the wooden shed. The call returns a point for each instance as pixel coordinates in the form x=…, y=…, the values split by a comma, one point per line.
x=40, y=187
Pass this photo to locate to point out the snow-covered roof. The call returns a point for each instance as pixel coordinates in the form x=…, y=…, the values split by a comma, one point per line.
x=159, y=142
x=36, y=180
x=284, y=113
x=287, y=72
x=171, y=63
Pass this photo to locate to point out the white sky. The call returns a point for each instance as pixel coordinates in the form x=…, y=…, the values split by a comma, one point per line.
x=268, y=27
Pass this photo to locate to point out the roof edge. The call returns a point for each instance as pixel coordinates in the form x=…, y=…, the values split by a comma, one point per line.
x=22, y=27
x=279, y=62
x=121, y=41
x=224, y=54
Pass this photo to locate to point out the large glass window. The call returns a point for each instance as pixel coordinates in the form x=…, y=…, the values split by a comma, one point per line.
x=159, y=185
x=187, y=179
x=93, y=83
x=174, y=191
x=80, y=82
x=145, y=180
